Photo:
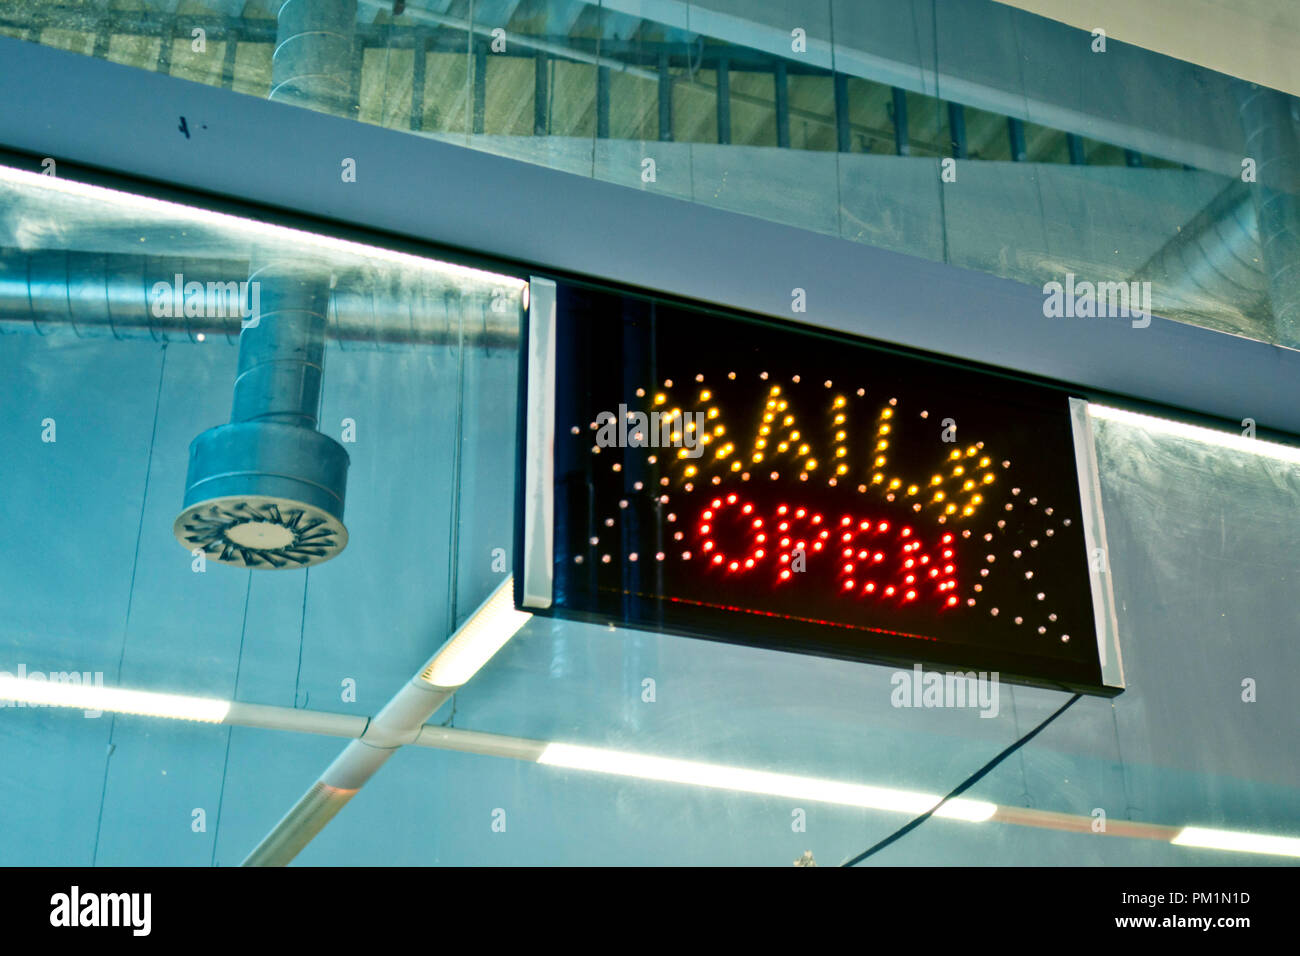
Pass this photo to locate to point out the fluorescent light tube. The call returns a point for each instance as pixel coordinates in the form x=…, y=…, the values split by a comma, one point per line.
x=1237, y=840
x=485, y=633
x=250, y=229
x=1206, y=436
x=112, y=699
x=668, y=770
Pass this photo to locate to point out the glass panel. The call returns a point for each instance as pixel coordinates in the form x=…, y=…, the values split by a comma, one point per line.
x=104, y=394
x=601, y=88
x=119, y=351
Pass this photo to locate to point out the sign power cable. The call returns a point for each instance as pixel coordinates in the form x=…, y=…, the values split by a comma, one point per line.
x=962, y=787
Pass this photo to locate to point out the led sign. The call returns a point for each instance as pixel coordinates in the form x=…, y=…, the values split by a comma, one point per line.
x=725, y=477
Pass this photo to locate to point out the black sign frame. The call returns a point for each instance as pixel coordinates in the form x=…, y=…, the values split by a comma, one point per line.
x=588, y=347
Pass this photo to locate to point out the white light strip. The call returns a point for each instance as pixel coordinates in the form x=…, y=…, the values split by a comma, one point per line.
x=251, y=229
x=594, y=759
x=1206, y=436
x=1237, y=840
x=668, y=770
x=485, y=633
x=112, y=699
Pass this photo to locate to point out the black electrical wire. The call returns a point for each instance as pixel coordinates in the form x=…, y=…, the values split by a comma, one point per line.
x=962, y=787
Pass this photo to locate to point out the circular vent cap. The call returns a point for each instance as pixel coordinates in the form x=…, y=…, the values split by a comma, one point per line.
x=259, y=531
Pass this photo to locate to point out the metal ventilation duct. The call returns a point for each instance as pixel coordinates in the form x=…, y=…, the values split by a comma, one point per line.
x=312, y=65
x=1269, y=120
x=267, y=490
x=1243, y=249
x=111, y=295
x=1213, y=262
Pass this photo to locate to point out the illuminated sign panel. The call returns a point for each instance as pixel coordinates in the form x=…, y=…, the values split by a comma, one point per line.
x=740, y=480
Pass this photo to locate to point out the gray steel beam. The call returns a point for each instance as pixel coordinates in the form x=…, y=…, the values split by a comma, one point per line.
x=602, y=102
x=418, y=80
x=724, y=101
x=541, y=118
x=781, y=100
x=843, y=141
x=901, y=146
x=1016, y=139
x=665, y=100
x=480, y=85
x=957, y=129
x=1074, y=145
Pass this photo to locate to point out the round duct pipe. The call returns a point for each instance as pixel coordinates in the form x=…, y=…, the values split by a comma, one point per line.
x=312, y=64
x=1269, y=122
x=267, y=490
x=111, y=295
